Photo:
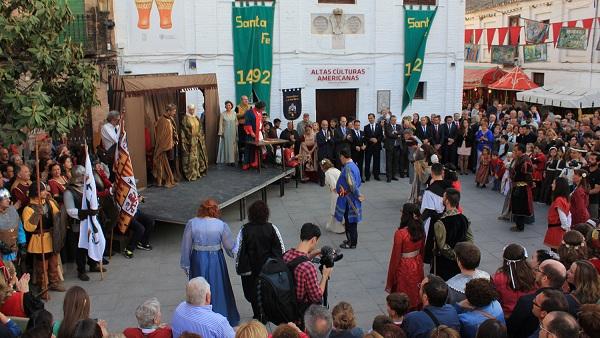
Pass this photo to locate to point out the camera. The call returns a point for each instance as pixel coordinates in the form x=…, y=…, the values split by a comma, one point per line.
x=328, y=257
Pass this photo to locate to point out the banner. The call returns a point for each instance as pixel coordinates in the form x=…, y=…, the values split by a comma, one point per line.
x=535, y=53
x=253, y=50
x=417, y=23
x=572, y=38
x=471, y=52
x=91, y=236
x=535, y=31
x=126, y=195
x=292, y=103
x=504, y=55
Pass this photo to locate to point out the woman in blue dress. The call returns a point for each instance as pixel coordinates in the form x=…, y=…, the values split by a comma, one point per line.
x=204, y=239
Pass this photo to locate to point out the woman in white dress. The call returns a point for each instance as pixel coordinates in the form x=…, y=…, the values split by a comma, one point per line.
x=331, y=177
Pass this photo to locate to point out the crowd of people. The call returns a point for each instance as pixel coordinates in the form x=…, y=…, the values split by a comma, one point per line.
x=524, y=155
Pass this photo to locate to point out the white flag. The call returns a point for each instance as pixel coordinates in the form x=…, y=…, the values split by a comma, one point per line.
x=91, y=236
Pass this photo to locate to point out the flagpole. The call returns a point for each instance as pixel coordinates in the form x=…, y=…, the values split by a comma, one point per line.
x=41, y=222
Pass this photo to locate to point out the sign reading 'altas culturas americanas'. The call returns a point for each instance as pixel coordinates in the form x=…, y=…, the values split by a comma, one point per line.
x=337, y=74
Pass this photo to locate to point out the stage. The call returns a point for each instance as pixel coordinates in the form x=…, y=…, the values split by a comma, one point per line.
x=225, y=184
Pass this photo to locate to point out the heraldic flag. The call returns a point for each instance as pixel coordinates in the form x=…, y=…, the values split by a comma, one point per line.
x=91, y=236
x=126, y=194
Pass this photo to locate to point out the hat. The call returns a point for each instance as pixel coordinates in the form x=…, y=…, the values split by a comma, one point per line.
x=4, y=193
x=434, y=159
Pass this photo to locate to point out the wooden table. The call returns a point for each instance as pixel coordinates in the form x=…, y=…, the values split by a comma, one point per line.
x=268, y=142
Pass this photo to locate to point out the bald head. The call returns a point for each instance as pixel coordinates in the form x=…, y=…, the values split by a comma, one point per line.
x=561, y=324
x=552, y=274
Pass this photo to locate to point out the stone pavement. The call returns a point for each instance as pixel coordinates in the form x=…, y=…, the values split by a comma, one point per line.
x=359, y=278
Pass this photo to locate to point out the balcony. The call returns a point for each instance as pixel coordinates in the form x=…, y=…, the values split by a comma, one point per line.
x=90, y=31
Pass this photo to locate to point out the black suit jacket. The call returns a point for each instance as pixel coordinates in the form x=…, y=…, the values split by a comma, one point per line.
x=522, y=323
x=424, y=135
x=391, y=136
x=358, y=139
x=439, y=136
x=450, y=133
x=369, y=134
x=325, y=145
x=341, y=141
x=285, y=135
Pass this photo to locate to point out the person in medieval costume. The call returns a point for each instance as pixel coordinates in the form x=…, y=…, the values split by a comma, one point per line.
x=43, y=211
x=228, y=132
x=12, y=235
x=240, y=112
x=72, y=198
x=165, y=145
x=349, y=201
x=451, y=228
x=521, y=199
x=432, y=206
x=193, y=149
x=253, y=130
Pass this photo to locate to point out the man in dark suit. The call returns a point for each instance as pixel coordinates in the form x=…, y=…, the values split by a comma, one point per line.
x=439, y=137
x=392, y=144
x=343, y=140
x=358, y=147
x=373, y=137
x=291, y=135
x=325, y=144
x=449, y=148
x=424, y=130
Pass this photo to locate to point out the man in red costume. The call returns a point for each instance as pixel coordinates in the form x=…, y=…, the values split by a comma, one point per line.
x=252, y=128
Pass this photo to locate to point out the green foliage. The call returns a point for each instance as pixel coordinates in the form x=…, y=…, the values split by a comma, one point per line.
x=44, y=82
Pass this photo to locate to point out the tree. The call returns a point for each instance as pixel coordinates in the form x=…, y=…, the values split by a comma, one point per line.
x=44, y=81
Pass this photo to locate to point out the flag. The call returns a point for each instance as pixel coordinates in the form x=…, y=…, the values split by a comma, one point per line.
x=91, y=236
x=125, y=189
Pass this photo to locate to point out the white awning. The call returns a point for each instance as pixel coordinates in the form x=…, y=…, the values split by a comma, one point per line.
x=565, y=97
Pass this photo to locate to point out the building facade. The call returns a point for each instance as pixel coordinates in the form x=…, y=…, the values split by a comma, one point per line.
x=356, y=71
x=564, y=67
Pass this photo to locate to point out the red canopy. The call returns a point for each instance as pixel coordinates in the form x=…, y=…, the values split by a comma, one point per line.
x=477, y=78
x=514, y=80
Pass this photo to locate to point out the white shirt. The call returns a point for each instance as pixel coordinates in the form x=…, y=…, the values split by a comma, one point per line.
x=110, y=135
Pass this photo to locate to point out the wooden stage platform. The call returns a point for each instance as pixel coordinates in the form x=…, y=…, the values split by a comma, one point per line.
x=225, y=184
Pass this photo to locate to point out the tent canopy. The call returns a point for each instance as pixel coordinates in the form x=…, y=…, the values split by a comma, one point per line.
x=478, y=77
x=515, y=80
x=138, y=85
x=566, y=97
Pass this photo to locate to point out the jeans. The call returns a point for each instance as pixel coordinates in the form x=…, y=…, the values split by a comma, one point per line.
x=141, y=226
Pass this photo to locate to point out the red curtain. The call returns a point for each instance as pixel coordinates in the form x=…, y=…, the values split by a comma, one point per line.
x=490, y=37
x=502, y=31
x=478, y=33
x=468, y=35
x=556, y=31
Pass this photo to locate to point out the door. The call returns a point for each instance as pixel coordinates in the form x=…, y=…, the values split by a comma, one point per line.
x=333, y=103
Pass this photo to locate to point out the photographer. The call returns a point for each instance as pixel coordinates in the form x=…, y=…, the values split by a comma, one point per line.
x=309, y=290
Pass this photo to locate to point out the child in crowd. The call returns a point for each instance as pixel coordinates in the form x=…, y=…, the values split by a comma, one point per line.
x=483, y=173
x=497, y=170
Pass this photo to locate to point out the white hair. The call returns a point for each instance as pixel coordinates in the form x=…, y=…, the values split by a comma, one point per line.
x=113, y=114
x=196, y=291
x=146, y=313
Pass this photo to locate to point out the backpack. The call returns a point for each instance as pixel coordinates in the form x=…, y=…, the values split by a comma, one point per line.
x=276, y=291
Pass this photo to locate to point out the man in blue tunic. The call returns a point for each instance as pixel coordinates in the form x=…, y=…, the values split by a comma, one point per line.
x=348, y=206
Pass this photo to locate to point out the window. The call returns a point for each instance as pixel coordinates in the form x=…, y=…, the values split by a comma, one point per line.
x=538, y=78
x=420, y=93
x=337, y=1
x=420, y=2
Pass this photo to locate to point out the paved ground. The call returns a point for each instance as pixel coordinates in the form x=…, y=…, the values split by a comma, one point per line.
x=359, y=278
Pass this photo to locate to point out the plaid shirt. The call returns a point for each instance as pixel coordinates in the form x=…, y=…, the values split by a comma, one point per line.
x=305, y=275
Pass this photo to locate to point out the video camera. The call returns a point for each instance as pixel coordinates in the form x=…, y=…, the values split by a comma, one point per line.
x=328, y=257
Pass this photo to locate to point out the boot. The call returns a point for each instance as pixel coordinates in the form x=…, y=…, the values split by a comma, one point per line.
x=53, y=274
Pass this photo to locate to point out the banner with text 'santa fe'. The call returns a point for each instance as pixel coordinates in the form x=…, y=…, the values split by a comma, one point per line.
x=417, y=23
x=253, y=49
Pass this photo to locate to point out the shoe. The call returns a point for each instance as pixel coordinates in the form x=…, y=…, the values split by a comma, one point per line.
x=388, y=180
x=58, y=287
x=402, y=176
x=368, y=179
x=128, y=254
x=515, y=229
x=377, y=178
x=146, y=247
x=245, y=167
x=477, y=185
x=394, y=178
x=322, y=184
x=347, y=246
x=502, y=218
x=83, y=276
x=105, y=261
x=483, y=186
x=345, y=241
x=362, y=181
x=96, y=268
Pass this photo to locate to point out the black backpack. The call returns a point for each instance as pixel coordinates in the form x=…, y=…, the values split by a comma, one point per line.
x=276, y=291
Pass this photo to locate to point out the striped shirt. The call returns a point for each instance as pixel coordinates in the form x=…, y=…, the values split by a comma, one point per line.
x=200, y=320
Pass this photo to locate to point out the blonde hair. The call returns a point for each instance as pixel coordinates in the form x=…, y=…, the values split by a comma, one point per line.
x=326, y=164
x=444, y=331
x=343, y=316
x=252, y=329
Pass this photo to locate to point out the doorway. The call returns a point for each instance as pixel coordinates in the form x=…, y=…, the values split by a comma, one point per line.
x=333, y=103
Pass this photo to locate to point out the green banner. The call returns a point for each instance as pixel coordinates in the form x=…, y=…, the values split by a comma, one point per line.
x=253, y=50
x=417, y=23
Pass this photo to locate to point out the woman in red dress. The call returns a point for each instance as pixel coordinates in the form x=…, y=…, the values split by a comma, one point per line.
x=559, y=214
x=406, y=264
x=580, y=197
x=57, y=182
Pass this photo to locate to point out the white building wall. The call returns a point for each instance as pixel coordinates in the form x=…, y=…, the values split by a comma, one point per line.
x=207, y=37
x=564, y=67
